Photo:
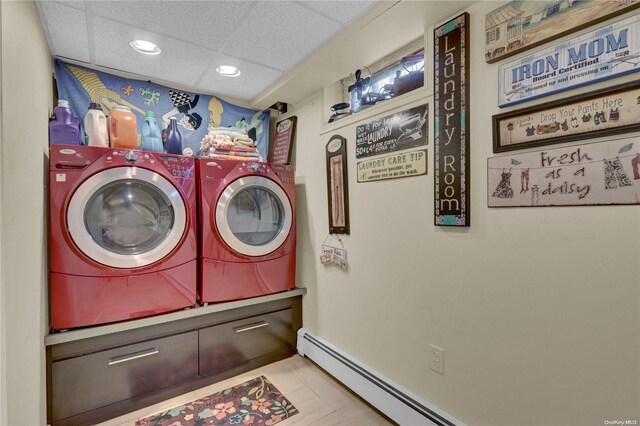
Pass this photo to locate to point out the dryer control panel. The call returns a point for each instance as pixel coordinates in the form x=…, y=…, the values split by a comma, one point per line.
x=285, y=173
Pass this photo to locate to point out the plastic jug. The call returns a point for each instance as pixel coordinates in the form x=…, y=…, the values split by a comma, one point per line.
x=151, y=138
x=122, y=127
x=174, y=139
x=95, y=126
x=64, y=126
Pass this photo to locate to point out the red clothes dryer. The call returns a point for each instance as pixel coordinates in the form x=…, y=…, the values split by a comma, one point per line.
x=122, y=231
x=247, y=229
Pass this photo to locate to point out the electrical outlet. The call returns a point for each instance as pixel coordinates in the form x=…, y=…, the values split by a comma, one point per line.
x=437, y=359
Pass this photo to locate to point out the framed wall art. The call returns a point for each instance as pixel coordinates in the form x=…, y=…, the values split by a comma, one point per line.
x=451, y=122
x=402, y=130
x=521, y=25
x=606, y=52
x=604, y=112
x=283, y=141
x=604, y=173
x=337, y=185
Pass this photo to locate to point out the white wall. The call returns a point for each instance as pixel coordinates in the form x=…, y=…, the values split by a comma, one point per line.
x=538, y=310
x=26, y=103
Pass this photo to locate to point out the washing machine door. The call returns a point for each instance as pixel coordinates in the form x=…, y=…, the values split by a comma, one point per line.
x=126, y=217
x=254, y=216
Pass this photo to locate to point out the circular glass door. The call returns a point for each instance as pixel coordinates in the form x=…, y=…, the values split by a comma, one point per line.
x=253, y=216
x=126, y=217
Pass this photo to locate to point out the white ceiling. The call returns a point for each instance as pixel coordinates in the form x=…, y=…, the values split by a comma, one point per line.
x=264, y=39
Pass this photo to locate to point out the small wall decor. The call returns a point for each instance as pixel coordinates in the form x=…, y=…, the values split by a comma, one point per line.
x=337, y=185
x=596, y=174
x=451, y=122
x=399, y=131
x=332, y=255
x=283, y=141
x=521, y=25
x=609, y=51
x=393, y=166
x=612, y=110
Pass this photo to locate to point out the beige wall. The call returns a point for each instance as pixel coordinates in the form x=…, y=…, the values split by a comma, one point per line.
x=538, y=310
x=26, y=103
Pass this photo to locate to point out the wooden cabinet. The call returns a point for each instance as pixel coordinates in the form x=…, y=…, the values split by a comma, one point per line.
x=101, y=377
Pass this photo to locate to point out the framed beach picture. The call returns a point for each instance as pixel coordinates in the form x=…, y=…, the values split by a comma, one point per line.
x=521, y=25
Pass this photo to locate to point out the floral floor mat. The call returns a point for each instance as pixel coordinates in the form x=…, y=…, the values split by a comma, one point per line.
x=255, y=402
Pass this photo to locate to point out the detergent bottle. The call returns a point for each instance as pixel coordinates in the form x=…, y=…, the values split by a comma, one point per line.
x=174, y=140
x=95, y=125
x=122, y=127
x=151, y=138
x=64, y=126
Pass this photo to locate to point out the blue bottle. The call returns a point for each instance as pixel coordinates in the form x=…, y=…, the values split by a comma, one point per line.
x=174, y=140
x=151, y=139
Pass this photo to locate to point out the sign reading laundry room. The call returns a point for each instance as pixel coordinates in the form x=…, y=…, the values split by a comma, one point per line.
x=595, y=174
x=612, y=110
x=399, y=165
x=609, y=51
x=451, y=122
x=402, y=130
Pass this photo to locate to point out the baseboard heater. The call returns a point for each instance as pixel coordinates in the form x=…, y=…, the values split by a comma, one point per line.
x=399, y=404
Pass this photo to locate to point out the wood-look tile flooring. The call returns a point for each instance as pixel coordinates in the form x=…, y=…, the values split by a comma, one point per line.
x=319, y=398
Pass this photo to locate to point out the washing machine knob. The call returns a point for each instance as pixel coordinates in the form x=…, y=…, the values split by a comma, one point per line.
x=254, y=167
x=131, y=156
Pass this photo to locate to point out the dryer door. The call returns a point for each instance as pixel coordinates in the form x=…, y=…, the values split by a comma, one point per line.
x=254, y=216
x=126, y=217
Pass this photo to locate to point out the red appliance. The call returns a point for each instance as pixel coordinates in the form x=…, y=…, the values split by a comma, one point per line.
x=247, y=229
x=122, y=232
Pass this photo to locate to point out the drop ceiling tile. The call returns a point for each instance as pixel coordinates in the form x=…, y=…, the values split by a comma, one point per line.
x=179, y=62
x=343, y=11
x=205, y=23
x=252, y=80
x=76, y=4
x=279, y=34
x=67, y=30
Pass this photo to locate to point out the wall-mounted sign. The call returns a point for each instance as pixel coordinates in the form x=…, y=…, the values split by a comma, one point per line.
x=403, y=130
x=610, y=51
x=595, y=174
x=283, y=141
x=612, y=110
x=403, y=164
x=451, y=122
x=523, y=24
x=337, y=185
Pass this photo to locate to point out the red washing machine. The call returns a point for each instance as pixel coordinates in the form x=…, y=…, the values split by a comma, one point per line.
x=247, y=229
x=122, y=231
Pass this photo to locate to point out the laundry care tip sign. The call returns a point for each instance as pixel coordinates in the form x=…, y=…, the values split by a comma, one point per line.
x=609, y=51
x=451, y=122
x=393, y=166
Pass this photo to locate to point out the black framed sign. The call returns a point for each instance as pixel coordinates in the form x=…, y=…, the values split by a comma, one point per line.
x=402, y=130
x=337, y=185
x=451, y=122
x=609, y=111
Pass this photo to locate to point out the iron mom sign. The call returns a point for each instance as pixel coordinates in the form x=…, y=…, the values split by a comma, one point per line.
x=607, y=52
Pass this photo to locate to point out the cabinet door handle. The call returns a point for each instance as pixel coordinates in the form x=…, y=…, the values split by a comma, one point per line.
x=251, y=327
x=136, y=355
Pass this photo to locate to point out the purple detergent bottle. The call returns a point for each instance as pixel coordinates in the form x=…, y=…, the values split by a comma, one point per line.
x=64, y=126
x=174, y=140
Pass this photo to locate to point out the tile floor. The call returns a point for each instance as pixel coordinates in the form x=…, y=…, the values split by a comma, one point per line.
x=319, y=399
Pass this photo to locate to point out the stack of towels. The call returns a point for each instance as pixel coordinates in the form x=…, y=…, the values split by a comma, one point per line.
x=229, y=143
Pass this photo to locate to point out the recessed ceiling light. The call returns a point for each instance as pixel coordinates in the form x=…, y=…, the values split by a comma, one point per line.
x=228, y=70
x=146, y=47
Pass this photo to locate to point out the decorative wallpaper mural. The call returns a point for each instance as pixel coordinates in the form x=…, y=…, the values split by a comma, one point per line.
x=195, y=113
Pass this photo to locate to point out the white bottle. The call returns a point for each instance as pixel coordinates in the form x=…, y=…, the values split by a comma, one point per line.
x=95, y=125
